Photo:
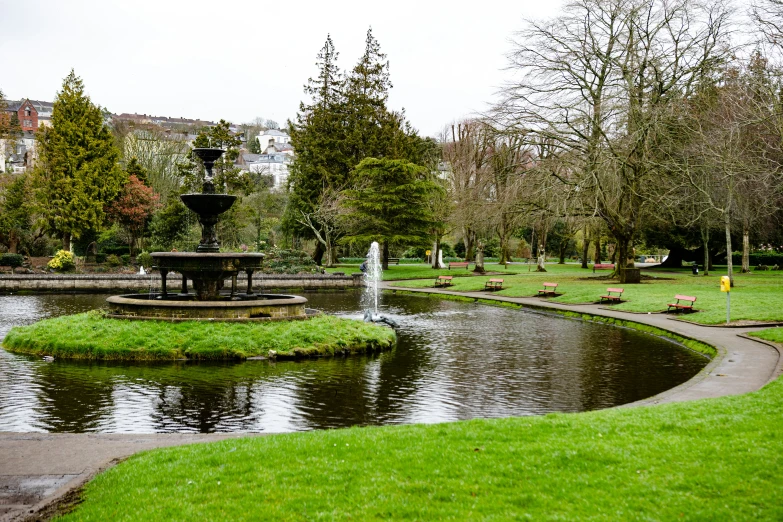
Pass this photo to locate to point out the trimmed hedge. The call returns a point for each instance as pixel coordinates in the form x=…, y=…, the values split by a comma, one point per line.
x=759, y=258
x=12, y=260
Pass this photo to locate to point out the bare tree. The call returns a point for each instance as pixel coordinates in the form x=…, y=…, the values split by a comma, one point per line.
x=596, y=83
x=326, y=224
x=467, y=155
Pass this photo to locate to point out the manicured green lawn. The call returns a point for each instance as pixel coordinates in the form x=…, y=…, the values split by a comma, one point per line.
x=92, y=336
x=757, y=296
x=716, y=459
x=773, y=334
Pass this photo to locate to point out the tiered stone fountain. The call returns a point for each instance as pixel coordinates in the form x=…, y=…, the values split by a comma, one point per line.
x=207, y=269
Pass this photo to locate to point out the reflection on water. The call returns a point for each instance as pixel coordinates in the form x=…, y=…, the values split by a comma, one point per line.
x=453, y=361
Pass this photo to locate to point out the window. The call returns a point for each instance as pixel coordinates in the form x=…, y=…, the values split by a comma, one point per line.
x=28, y=123
x=27, y=111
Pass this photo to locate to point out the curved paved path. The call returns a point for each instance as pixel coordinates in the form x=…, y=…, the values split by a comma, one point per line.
x=38, y=470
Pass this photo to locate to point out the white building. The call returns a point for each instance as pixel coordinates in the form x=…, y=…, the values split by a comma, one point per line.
x=274, y=141
x=275, y=165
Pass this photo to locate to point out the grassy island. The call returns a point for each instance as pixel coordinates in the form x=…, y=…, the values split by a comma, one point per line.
x=92, y=336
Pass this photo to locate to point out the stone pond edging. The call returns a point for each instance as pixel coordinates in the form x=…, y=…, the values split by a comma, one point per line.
x=98, y=283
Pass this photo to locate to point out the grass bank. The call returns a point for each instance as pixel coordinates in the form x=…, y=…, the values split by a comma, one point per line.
x=773, y=334
x=757, y=296
x=715, y=459
x=92, y=336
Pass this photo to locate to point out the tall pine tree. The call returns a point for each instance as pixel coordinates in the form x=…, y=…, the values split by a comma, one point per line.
x=318, y=137
x=346, y=121
x=77, y=173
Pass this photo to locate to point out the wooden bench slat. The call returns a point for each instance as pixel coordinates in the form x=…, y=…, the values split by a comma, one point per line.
x=549, y=288
x=685, y=298
x=680, y=306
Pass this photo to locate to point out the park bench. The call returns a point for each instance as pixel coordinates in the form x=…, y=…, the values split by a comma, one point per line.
x=494, y=284
x=444, y=281
x=459, y=264
x=680, y=306
x=603, y=266
x=394, y=260
x=549, y=289
x=612, y=298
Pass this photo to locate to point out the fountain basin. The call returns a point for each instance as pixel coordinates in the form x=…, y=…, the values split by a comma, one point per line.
x=207, y=271
x=208, y=204
x=261, y=306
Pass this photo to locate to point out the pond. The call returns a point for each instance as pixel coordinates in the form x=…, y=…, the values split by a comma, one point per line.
x=453, y=361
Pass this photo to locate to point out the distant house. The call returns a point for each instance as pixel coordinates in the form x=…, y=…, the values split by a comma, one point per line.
x=21, y=154
x=274, y=141
x=275, y=165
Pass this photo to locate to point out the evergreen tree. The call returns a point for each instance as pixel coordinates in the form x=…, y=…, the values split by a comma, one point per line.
x=318, y=137
x=346, y=121
x=392, y=204
x=15, y=212
x=371, y=128
x=77, y=172
x=171, y=224
x=134, y=168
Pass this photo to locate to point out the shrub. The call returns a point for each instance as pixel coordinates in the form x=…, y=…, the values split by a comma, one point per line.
x=144, y=259
x=279, y=261
x=12, y=260
x=125, y=259
x=113, y=260
x=62, y=261
x=759, y=258
x=100, y=258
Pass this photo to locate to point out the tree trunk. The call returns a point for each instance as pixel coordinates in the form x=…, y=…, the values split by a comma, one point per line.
x=563, y=245
x=585, y=247
x=436, y=254
x=385, y=264
x=705, y=237
x=745, y=247
x=597, y=256
x=318, y=255
x=621, y=254
x=67, y=242
x=479, y=260
x=13, y=244
x=729, y=261
x=541, y=262
x=469, y=238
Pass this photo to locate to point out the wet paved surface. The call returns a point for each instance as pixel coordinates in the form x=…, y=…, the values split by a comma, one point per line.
x=38, y=469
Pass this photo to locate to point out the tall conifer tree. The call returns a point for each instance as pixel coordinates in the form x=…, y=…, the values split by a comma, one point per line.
x=77, y=172
x=318, y=137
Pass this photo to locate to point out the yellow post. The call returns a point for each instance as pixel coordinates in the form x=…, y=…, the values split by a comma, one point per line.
x=725, y=286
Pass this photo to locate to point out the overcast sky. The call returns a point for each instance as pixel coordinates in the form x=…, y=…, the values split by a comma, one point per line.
x=239, y=60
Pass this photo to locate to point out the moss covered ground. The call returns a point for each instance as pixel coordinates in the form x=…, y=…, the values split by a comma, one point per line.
x=92, y=336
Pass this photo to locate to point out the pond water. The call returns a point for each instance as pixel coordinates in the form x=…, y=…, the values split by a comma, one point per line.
x=453, y=361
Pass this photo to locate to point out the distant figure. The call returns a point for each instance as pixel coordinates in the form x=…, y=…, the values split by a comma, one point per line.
x=363, y=266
